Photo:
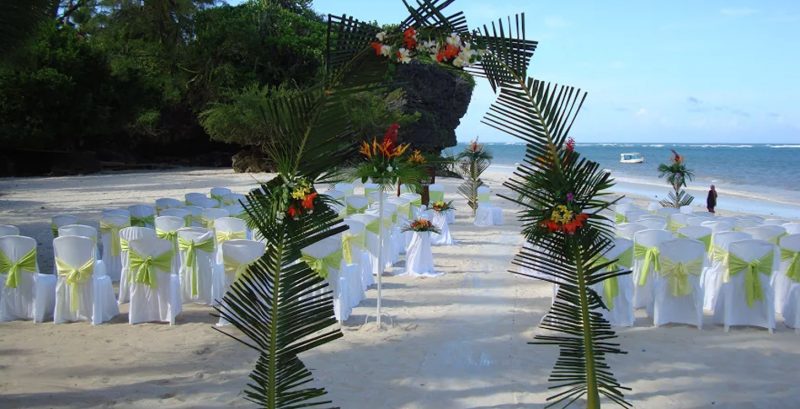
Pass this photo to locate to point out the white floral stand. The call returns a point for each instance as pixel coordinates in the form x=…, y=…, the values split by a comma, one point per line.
x=419, y=258
x=444, y=238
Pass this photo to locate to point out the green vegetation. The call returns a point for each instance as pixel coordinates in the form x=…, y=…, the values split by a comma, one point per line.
x=676, y=174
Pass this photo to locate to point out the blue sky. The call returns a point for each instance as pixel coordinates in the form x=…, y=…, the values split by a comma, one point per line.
x=655, y=71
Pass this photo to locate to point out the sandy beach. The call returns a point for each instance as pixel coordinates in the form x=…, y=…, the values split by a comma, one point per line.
x=456, y=341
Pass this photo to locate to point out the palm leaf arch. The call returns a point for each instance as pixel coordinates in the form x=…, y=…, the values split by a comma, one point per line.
x=272, y=306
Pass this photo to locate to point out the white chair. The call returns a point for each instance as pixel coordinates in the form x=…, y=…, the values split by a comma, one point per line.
x=717, y=256
x=165, y=203
x=167, y=229
x=788, y=274
x=8, y=230
x=487, y=214
x=667, y=211
x=646, y=265
x=356, y=236
x=327, y=255
x=617, y=292
x=355, y=205
x=194, y=198
x=687, y=210
x=789, y=287
x=744, y=223
x=24, y=293
x=155, y=288
x=347, y=188
x=182, y=213
x=653, y=207
x=237, y=256
x=61, y=220
x=370, y=188
x=677, y=220
x=234, y=199
x=371, y=226
x=219, y=194
x=110, y=226
x=635, y=214
x=770, y=233
x=653, y=224
x=116, y=213
x=126, y=235
x=697, y=220
x=620, y=209
x=435, y=193
x=81, y=294
x=83, y=230
x=792, y=228
x=699, y=233
x=627, y=230
x=228, y=228
x=718, y=226
x=143, y=216
x=677, y=293
x=196, y=216
x=196, y=248
x=212, y=214
x=415, y=201
x=775, y=222
x=746, y=297
x=236, y=210
x=206, y=203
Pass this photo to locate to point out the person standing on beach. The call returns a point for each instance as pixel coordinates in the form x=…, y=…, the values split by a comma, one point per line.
x=711, y=200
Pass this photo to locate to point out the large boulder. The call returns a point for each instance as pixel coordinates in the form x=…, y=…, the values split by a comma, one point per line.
x=441, y=96
x=251, y=161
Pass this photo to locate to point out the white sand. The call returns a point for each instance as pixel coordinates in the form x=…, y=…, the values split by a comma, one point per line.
x=457, y=341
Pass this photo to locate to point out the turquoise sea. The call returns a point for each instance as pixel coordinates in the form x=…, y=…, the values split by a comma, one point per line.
x=762, y=178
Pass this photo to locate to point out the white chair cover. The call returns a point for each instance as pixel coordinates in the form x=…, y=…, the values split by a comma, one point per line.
x=9, y=230
x=211, y=214
x=775, y=222
x=355, y=204
x=677, y=220
x=360, y=248
x=744, y=223
x=95, y=300
x=391, y=242
x=643, y=291
x=196, y=216
x=83, y=230
x=204, y=263
x=165, y=203
x=435, y=192
x=634, y=214
x=699, y=233
x=789, y=249
x=653, y=224
x=144, y=213
x=653, y=207
x=443, y=238
x=194, y=199
x=667, y=211
x=206, y=203
x=627, y=230
x=371, y=224
x=687, y=210
x=487, y=214
x=713, y=276
x=33, y=296
x=219, y=194
x=347, y=188
x=61, y=220
x=697, y=220
x=116, y=212
x=181, y=213
x=159, y=303
x=110, y=227
x=370, y=188
x=167, y=229
x=228, y=228
x=237, y=255
x=732, y=307
x=620, y=312
x=718, y=226
x=419, y=258
x=792, y=228
x=770, y=233
x=127, y=235
x=235, y=199
x=350, y=241
x=337, y=277
x=678, y=296
x=415, y=201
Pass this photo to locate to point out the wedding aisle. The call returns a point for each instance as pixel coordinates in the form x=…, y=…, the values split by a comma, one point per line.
x=454, y=341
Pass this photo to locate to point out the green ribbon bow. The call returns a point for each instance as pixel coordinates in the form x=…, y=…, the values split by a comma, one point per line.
x=718, y=253
x=54, y=230
x=611, y=285
x=374, y=226
x=620, y=218
x=143, y=221
x=349, y=209
x=674, y=226
x=706, y=240
x=678, y=275
x=777, y=239
x=483, y=198
x=191, y=247
x=234, y=267
x=223, y=236
x=219, y=198
x=322, y=266
x=145, y=267
x=167, y=235
x=347, y=244
x=436, y=196
x=650, y=256
x=793, y=272
x=13, y=268
x=752, y=285
x=113, y=231
x=187, y=220
x=417, y=202
x=75, y=276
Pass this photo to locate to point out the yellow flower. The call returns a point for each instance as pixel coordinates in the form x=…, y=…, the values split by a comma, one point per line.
x=417, y=157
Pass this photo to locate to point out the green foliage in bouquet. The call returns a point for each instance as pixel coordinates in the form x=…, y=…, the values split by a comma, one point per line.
x=677, y=174
x=472, y=162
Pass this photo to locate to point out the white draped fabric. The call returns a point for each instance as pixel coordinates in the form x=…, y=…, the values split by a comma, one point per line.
x=33, y=294
x=126, y=235
x=161, y=302
x=236, y=255
x=714, y=275
x=443, y=238
x=202, y=262
x=92, y=297
x=338, y=274
x=790, y=253
x=645, y=268
x=620, y=312
x=682, y=262
x=110, y=227
x=419, y=258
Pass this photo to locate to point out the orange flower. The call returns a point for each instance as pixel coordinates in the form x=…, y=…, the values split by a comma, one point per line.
x=416, y=157
x=377, y=47
x=293, y=212
x=440, y=56
x=308, y=202
x=409, y=38
x=451, y=51
x=365, y=150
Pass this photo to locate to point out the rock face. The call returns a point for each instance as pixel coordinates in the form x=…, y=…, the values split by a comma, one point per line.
x=441, y=96
x=251, y=160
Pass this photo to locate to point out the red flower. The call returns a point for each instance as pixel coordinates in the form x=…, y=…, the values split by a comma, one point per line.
x=293, y=212
x=408, y=38
x=451, y=51
x=308, y=201
x=570, y=145
x=377, y=47
x=440, y=56
x=390, y=137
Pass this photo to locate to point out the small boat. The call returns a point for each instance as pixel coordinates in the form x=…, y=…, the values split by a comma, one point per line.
x=631, y=157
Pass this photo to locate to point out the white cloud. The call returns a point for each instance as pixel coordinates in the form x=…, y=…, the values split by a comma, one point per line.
x=738, y=12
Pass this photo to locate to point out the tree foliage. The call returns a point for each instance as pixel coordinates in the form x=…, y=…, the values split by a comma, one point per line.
x=676, y=174
x=472, y=162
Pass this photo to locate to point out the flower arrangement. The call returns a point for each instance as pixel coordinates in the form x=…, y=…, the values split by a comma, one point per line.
x=417, y=158
x=450, y=50
x=421, y=225
x=442, y=206
x=676, y=174
x=302, y=200
x=386, y=162
x=565, y=218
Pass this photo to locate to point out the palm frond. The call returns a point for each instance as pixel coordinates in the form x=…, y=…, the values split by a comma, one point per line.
x=430, y=13
x=509, y=52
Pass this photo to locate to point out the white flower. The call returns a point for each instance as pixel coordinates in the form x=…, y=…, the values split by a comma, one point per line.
x=389, y=168
x=430, y=46
x=403, y=56
x=380, y=36
x=386, y=50
x=454, y=39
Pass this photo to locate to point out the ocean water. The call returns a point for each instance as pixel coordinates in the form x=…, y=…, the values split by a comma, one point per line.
x=764, y=178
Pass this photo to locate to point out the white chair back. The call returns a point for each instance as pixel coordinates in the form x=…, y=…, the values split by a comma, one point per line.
x=679, y=220
x=792, y=228
x=634, y=214
x=694, y=232
x=230, y=224
x=667, y=211
x=219, y=191
x=165, y=203
x=151, y=246
x=791, y=242
x=324, y=247
x=212, y=214
x=197, y=216
x=697, y=220
x=744, y=223
x=775, y=222
x=651, y=237
x=9, y=230
x=346, y=188
x=621, y=245
x=369, y=188
x=653, y=224
x=74, y=250
x=62, y=220
x=81, y=230
x=770, y=233
x=724, y=239
x=355, y=226
x=360, y=203
x=142, y=211
x=436, y=192
x=206, y=203
x=687, y=210
x=243, y=251
x=116, y=212
x=169, y=223
x=653, y=206
x=718, y=226
x=335, y=194
x=750, y=249
x=194, y=199
x=682, y=250
x=181, y=213
x=235, y=210
x=627, y=230
x=15, y=247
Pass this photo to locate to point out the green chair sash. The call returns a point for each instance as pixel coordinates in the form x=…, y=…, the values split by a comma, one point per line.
x=124, y=245
x=348, y=239
x=350, y=209
x=75, y=276
x=416, y=201
x=611, y=285
x=706, y=240
x=187, y=220
x=677, y=274
x=143, y=268
x=752, y=284
x=436, y=196
x=199, y=219
x=219, y=198
x=167, y=235
x=718, y=253
x=394, y=217
x=54, y=230
x=25, y=263
x=223, y=236
x=113, y=231
x=650, y=259
x=374, y=226
x=483, y=198
x=322, y=266
x=143, y=221
x=190, y=247
x=776, y=240
x=234, y=267
x=793, y=257
x=620, y=218
x=674, y=226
